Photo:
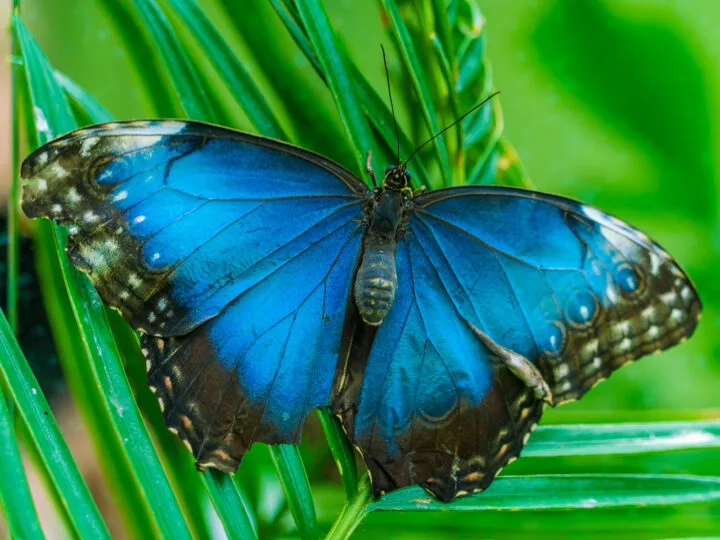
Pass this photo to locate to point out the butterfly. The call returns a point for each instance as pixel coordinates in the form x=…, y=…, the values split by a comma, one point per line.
x=267, y=280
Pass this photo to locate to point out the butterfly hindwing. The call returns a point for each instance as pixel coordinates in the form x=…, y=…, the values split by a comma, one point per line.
x=233, y=253
x=254, y=372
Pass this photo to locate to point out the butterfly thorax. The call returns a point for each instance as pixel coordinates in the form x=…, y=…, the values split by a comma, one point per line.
x=376, y=278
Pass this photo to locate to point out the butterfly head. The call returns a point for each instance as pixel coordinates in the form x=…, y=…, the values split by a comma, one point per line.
x=397, y=178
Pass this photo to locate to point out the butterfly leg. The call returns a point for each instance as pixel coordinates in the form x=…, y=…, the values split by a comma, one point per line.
x=520, y=366
x=369, y=169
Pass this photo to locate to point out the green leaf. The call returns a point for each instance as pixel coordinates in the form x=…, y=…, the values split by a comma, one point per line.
x=138, y=45
x=15, y=499
x=295, y=484
x=352, y=513
x=334, y=65
x=75, y=497
x=378, y=113
x=186, y=80
x=342, y=451
x=564, y=491
x=104, y=369
x=93, y=108
x=293, y=87
x=231, y=505
x=604, y=439
x=234, y=75
x=421, y=85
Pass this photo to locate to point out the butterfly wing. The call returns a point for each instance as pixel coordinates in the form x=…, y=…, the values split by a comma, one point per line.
x=576, y=292
x=195, y=232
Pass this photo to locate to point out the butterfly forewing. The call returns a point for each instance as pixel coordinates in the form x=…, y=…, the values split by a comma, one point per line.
x=588, y=292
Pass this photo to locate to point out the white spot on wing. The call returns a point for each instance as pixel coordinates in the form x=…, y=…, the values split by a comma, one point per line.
x=134, y=281
x=686, y=293
x=562, y=371
x=88, y=145
x=93, y=256
x=623, y=326
x=120, y=196
x=41, y=159
x=57, y=170
x=655, y=263
x=139, y=219
x=73, y=196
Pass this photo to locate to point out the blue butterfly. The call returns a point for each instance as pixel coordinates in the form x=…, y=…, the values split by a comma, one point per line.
x=267, y=280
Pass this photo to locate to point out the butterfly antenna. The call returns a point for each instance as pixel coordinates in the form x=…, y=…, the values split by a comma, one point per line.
x=443, y=130
x=392, y=106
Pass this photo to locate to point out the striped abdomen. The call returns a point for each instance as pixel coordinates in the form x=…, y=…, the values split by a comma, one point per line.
x=375, y=281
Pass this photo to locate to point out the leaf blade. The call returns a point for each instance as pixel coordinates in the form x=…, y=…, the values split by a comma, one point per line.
x=542, y=492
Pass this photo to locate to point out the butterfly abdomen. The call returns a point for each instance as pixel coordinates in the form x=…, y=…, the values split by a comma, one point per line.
x=376, y=278
x=375, y=282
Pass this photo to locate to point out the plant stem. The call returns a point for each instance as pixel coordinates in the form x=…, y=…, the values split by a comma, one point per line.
x=353, y=512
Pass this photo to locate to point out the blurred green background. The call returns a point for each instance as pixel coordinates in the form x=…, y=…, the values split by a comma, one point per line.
x=614, y=102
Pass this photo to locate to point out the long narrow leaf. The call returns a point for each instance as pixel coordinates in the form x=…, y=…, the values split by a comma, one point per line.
x=231, y=505
x=377, y=111
x=15, y=499
x=186, y=80
x=334, y=65
x=93, y=108
x=234, y=75
x=35, y=411
x=420, y=83
x=342, y=451
x=565, y=491
x=604, y=439
x=294, y=480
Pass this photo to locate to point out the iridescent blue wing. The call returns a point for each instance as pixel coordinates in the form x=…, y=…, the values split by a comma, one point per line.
x=233, y=253
x=575, y=291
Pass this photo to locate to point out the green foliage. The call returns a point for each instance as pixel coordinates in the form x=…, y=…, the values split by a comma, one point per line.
x=307, y=71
